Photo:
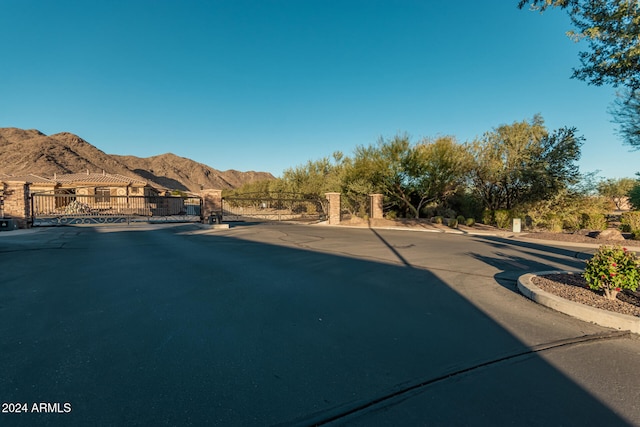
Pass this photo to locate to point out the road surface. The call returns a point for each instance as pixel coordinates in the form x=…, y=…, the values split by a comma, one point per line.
x=275, y=324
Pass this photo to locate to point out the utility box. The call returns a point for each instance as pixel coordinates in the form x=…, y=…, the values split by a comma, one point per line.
x=517, y=225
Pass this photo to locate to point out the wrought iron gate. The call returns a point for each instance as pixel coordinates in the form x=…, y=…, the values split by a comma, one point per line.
x=68, y=209
x=274, y=207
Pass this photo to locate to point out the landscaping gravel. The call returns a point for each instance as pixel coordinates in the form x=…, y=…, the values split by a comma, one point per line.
x=579, y=237
x=574, y=287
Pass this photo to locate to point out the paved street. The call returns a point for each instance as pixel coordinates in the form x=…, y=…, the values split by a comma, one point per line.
x=298, y=325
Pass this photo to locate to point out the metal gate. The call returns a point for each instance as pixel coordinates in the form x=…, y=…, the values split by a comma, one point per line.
x=274, y=207
x=68, y=209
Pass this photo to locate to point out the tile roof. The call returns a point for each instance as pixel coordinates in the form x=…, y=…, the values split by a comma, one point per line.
x=34, y=179
x=96, y=178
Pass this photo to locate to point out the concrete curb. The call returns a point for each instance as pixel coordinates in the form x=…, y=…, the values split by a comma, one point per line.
x=579, y=311
x=212, y=226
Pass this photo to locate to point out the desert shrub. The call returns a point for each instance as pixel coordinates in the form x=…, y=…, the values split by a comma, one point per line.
x=446, y=212
x=593, y=221
x=467, y=204
x=568, y=208
x=461, y=219
x=391, y=215
x=571, y=220
x=487, y=217
x=630, y=221
x=453, y=223
x=503, y=218
x=470, y=222
x=612, y=269
x=554, y=224
x=429, y=211
x=437, y=219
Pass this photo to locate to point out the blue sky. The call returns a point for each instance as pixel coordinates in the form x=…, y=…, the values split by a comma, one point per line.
x=268, y=84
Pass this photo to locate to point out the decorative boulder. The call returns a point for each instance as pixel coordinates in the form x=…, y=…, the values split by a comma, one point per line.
x=610, y=234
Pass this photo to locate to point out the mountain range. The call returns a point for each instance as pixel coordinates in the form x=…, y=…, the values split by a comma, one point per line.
x=32, y=152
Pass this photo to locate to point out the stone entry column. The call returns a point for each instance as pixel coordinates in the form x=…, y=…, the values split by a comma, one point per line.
x=376, y=210
x=335, y=211
x=16, y=203
x=211, y=203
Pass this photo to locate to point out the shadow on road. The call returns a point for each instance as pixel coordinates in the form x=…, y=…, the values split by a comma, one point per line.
x=531, y=257
x=160, y=328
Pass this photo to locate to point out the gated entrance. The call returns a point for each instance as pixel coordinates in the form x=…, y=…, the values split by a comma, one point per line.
x=274, y=207
x=68, y=209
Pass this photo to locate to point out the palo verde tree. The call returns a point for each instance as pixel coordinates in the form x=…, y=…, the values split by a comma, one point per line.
x=523, y=162
x=441, y=166
x=315, y=178
x=411, y=176
x=616, y=190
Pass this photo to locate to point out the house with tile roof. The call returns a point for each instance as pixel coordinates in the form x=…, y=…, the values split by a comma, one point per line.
x=103, y=185
x=29, y=197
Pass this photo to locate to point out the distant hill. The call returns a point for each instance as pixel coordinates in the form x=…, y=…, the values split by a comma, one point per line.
x=31, y=151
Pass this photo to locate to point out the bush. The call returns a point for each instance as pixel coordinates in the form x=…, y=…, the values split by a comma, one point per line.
x=470, y=222
x=566, y=210
x=594, y=221
x=391, y=215
x=467, y=204
x=461, y=219
x=453, y=223
x=554, y=224
x=446, y=212
x=612, y=269
x=572, y=220
x=503, y=218
x=487, y=217
x=437, y=219
x=630, y=221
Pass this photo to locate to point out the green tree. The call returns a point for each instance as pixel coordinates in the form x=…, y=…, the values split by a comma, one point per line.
x=442, y=166
x=634, y=194
x=315, y=178
x=522, y=162
x=626, y=113
x=616, y=190
x=411, y=176
x=388, y=165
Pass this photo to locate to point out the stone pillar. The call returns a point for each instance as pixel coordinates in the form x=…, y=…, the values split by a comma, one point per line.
x=376, y=206
x=16, y=203
x=335, y=211
x=211, y=203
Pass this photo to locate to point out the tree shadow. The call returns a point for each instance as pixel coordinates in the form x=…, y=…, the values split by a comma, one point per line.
x=513, y=266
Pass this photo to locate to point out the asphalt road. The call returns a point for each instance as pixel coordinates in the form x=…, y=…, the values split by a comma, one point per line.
x=297, y=325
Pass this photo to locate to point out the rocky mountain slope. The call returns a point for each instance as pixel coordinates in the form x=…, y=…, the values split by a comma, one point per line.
x=31, y=151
